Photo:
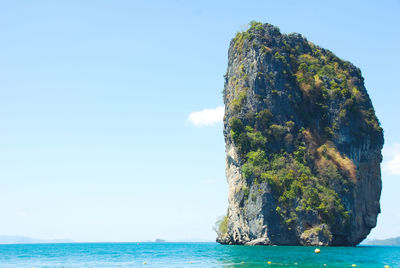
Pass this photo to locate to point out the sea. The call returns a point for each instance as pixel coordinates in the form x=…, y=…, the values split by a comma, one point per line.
x=192, y=255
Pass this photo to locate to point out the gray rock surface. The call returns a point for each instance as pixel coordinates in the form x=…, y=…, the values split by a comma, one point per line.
x=322, y=122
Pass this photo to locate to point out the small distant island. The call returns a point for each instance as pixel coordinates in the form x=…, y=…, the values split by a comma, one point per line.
x=384, y=242
x=303, y=144
x=12, y=239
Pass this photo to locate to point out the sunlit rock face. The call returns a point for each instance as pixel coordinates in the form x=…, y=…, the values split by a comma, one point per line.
x=303, y=144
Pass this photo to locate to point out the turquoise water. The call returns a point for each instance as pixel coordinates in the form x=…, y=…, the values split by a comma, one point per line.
x=192, y=255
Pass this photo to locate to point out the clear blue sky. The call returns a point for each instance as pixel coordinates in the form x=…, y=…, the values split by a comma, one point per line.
x=95, y=141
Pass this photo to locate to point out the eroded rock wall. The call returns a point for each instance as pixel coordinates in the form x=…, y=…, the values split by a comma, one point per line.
x=303, y=144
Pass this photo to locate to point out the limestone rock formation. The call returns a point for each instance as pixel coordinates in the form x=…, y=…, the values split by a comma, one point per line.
x=303, y=144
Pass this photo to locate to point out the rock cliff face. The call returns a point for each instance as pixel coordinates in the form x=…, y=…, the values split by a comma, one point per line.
x=303, y=144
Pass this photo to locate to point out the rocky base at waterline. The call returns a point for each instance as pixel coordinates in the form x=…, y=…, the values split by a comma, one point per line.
x=303, y=144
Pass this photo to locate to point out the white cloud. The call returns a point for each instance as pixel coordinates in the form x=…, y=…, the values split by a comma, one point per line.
x=209, y=181
x=393, y=165
x=207, y=117
x=391, y=150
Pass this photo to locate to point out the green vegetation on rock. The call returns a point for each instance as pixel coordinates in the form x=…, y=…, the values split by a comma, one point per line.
x=297, y=116
x=221, y=226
